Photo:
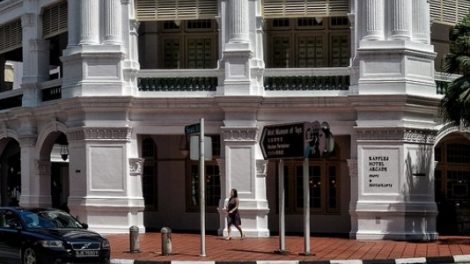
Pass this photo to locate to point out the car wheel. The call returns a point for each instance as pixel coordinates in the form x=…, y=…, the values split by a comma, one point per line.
x=29, y=256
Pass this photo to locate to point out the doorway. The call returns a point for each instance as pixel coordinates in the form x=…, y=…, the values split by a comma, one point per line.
x=10, y=174
x=452, y=185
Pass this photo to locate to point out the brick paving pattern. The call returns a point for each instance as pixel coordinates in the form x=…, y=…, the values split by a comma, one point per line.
x=187, y=247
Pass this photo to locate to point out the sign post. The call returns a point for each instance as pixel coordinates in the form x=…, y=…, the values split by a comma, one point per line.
x=202, y=196
x=199, y=129
x=296, y=141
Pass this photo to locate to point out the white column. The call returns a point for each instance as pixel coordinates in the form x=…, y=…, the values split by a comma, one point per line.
x=421, y=21
x=238, y=25
x=113, y=21
x=374, y=19
x=73, y=19
x=90, y=18
x=401, y=16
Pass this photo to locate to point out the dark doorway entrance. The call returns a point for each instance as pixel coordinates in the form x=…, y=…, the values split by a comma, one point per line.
x=452, y=185
x=10, y=174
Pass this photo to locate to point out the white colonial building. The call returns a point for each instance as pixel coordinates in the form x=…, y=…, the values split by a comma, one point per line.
x=95, y=95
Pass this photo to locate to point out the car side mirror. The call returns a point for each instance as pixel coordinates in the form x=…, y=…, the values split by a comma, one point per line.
x=85, y=226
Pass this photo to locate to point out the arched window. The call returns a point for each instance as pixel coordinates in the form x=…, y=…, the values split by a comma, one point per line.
x=149, y=176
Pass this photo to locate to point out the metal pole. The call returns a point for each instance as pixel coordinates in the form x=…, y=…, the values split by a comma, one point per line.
x=202, y=196
x=306, y=208
x=282, y=223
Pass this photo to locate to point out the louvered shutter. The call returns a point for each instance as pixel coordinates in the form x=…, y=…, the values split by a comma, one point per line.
x=449, y=11
x=160, y=10
x=11, y=36
x=305, y=8
x=54, y=20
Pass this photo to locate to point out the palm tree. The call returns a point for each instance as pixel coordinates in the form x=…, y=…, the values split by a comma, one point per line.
x=456, y=101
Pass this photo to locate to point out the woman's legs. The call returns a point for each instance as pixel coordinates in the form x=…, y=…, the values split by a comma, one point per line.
x=240, y=230
x=228, y=232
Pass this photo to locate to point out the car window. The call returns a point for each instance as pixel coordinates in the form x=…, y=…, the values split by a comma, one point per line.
x=8, y=220
x=33, y=220
x=61, y=219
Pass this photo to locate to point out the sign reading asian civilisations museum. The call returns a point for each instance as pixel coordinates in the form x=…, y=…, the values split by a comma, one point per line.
x=381, y=170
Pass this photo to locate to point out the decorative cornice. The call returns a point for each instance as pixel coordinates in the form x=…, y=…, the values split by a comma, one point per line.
x=409, y=135
x=239, y=133
x=100, y=133
x=136, y=166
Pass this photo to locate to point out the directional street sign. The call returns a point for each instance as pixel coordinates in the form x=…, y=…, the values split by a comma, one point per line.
x=192, y=129
x=296, y=140
x=284, y=141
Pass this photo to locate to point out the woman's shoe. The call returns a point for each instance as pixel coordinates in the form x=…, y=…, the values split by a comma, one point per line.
x=243, y=237
x=228, y=238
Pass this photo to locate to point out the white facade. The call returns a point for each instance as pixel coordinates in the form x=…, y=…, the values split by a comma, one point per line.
x=117, y=90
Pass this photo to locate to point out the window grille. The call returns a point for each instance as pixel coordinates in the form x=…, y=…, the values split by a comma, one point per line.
x=449, y=12
x=305, y=8
x=54, y=20
x=10, y=36
x=160, y=10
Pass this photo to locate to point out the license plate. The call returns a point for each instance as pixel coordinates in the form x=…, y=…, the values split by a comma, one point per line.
x=87, y=253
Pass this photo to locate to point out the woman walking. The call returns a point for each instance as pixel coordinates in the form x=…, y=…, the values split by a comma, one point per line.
x=233, y=216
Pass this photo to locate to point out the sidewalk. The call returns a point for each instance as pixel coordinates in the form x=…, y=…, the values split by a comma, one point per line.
x=186, y=247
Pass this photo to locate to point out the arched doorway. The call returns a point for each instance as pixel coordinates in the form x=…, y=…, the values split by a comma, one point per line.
x=54, y=155
x=10, y=172
x=452, y=184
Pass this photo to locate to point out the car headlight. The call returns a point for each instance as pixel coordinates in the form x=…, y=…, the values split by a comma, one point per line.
x=105, y=244
x=52, y=243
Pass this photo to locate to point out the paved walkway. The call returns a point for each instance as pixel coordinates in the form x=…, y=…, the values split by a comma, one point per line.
x=187, y=246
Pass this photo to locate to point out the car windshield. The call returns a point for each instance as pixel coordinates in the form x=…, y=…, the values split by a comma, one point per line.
x=49, y=219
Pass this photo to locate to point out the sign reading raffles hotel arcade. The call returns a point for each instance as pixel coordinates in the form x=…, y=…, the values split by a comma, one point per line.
x=381, y=171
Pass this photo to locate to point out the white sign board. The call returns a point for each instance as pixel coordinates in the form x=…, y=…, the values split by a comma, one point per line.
x=381, y=170
x=194, y=148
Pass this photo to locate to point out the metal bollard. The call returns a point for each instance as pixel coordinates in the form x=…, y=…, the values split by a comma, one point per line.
x=166, y=241
x=134, y=239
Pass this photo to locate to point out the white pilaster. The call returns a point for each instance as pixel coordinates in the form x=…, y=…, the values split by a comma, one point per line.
x=35, y=59
x=105, y=199
x=238, y=21
x=35, y=175
x=73, y=19
x=113, y=22
x=246, y=173
x=395, y=185
x=401, y=16
x=374, y=20
x=240, y=43
x=421, y=21
x=89, y=22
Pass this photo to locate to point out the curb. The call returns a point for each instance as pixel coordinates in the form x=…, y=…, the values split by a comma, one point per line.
x=430, y=260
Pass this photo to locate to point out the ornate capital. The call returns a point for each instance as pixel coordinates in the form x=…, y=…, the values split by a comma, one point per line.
x=352, y=165
x=407, y=135
x=221, y=164
x=240, y=133
x=136, y=166
x=261, y=168
x=28, y=20
x=27, y=140
x=100, y=133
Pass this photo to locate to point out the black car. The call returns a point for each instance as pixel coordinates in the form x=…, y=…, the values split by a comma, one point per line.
x=48, y=236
